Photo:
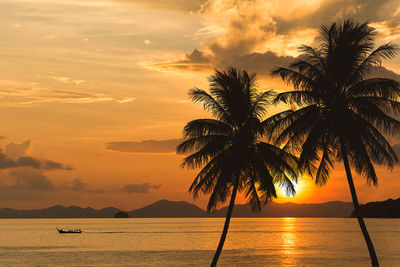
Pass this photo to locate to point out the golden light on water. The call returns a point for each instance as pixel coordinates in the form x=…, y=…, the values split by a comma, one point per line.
x=289, y=242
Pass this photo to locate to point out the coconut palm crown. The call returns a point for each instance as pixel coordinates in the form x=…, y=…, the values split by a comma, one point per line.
x=343, y=113
x=228, y=147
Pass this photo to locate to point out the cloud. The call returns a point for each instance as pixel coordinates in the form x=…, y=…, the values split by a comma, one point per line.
x=67, y=80
x=145, y=146
x=194, y=61
x=240, y=33
x=22, y=176
x=26, y=161
x=26, y=178
x=16, y=156
x=262, y=63
x=24, y=184
x=257, y=62
x=334, y=10
x=65, y=96
x=258, y=34
x=79, y=185
x=53, y=165
x=382, y=72
x=390, y=29
x=20, y=93
x=17, y=150
x=75, y=185
x=7, y=162
x=139, y=188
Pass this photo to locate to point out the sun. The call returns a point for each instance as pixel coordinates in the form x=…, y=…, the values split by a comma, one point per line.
x=303, y=188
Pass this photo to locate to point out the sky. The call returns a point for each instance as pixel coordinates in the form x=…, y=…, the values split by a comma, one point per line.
x=93, y=94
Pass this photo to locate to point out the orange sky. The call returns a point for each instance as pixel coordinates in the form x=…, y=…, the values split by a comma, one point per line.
x=87, y=81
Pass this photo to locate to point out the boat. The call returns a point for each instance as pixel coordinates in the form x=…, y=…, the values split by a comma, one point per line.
x=76, y=231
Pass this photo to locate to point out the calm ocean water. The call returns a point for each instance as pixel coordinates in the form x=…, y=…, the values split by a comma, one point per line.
x=191, y=242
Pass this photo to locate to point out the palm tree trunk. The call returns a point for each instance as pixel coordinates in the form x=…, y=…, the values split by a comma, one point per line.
x=371, y=249
x=226, y=226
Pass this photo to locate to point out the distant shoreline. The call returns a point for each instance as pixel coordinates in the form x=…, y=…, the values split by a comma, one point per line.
x=182, y=209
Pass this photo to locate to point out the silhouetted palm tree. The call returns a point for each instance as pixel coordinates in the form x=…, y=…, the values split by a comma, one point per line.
x=229, y=149
x=342, y=112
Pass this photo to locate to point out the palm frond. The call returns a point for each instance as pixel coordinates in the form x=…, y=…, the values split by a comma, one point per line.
x=324, y=166
x=301, y=98
x=252, y=195
x=201, y=127
x=261, y=102
x=296, y=79
x=380, y=87
x=207, y=152
x=209, y=104
x=375, y=58
x=198, y=143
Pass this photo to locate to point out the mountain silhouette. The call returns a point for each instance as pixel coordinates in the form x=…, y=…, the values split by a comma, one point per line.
x=59, y=211
x=381, y=209
x=181, y=209
x=121, y=214
x=165, y=208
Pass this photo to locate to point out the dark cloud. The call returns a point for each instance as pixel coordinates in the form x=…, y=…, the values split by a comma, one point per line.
x=26, y=161
x=382, y=72
x=17, y=150
x=22, y=177
x=33, y=184
x=79, y=185
x=336, y=10
x=15, y=156
x=53, y=165
x=259, y=62
x=262, y=63
x=139, y=188
x=26, y=178
x=196, y=57
x=6, y=162
x=145, y=146
x=24, y=184
x=76, y=185
x=194, y=61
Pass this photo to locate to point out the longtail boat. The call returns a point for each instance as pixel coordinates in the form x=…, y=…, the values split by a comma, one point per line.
x=76, y=231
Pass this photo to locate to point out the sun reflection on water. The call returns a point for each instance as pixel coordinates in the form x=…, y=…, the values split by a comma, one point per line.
x=289, y=242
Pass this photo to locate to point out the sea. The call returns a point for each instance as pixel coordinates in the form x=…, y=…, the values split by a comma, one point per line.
x=192, y=242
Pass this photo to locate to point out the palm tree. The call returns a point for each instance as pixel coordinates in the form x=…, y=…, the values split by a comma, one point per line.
x=228, y=147
x=342, y=112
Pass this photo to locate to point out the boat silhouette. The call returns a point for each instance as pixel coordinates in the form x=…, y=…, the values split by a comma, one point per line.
x=76, y=231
